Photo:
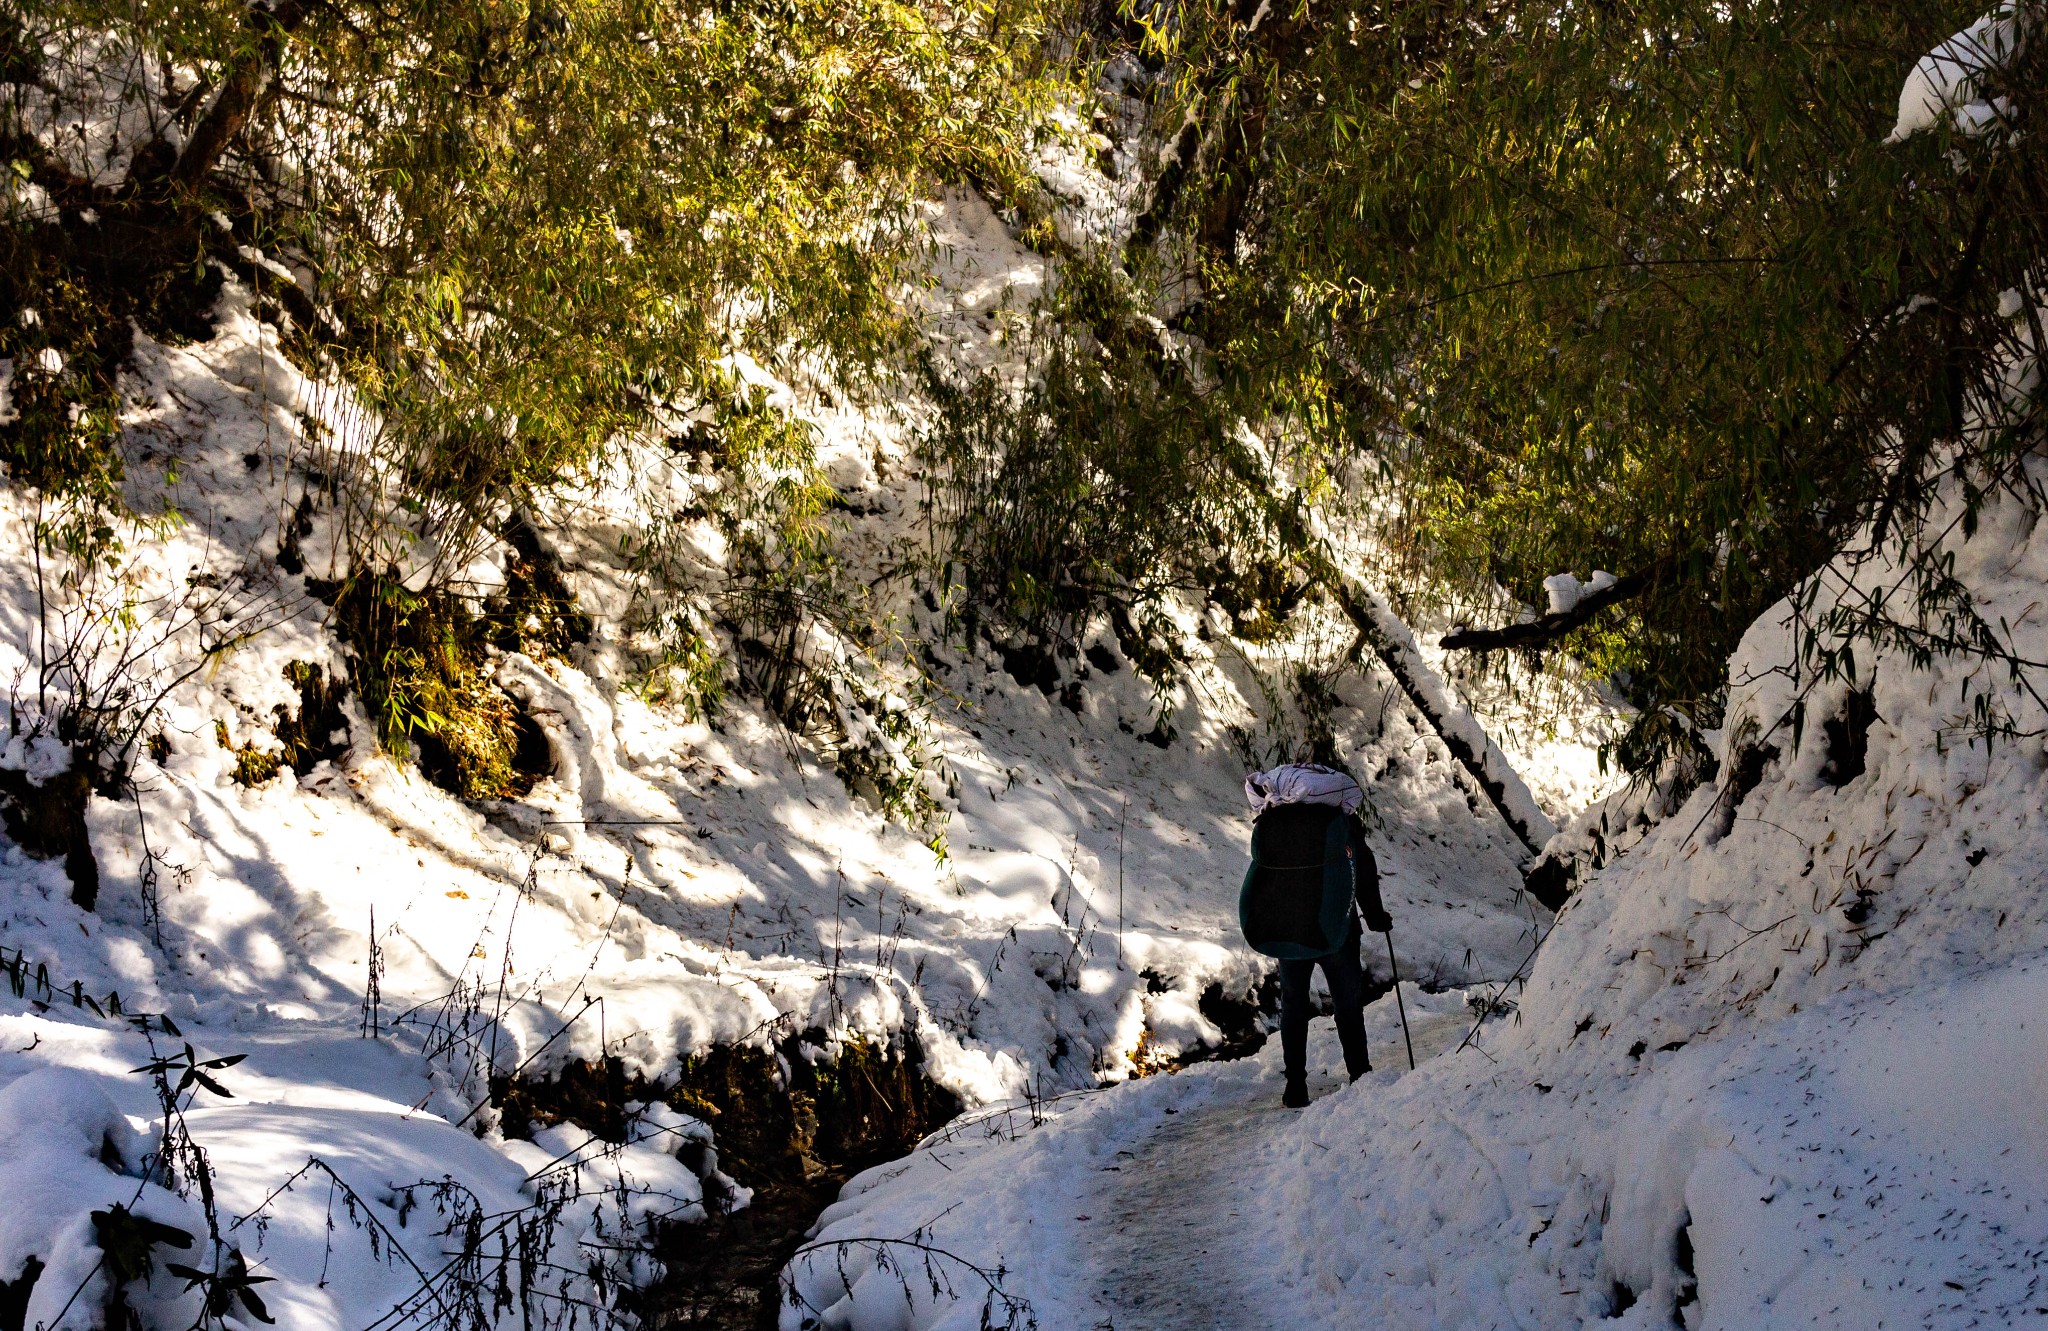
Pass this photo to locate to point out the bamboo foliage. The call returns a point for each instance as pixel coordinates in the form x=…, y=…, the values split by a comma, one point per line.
x=518, y=226
x=1637, y=287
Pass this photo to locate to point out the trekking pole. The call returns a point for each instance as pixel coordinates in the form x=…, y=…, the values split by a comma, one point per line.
x=1122, y=818
x=1393, y=966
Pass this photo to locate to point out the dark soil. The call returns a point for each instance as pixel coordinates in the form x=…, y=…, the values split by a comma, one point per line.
x=48, y=821
x=793, y=1139
x=725, y=1274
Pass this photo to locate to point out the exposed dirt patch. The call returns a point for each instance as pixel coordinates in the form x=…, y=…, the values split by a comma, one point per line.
x=319, y=733
x=1848, y=740
x=793, y=1123
x=1242, y=1017
x=48, y=822
x=14, y=1295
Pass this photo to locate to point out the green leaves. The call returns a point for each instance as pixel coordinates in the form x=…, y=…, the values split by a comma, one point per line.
x=527, y=229
x=759, y=159
x=1604, y=287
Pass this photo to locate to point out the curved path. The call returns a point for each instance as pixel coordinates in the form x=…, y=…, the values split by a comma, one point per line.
x=1175, y=1219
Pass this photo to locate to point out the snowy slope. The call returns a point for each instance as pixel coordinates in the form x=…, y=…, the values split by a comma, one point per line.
x=673, y=886
x=1780, y=1064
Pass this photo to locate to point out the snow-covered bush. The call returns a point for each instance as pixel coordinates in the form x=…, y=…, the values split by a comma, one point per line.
x=883, y=750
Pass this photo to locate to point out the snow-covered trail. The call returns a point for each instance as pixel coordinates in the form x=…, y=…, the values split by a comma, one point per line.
x=1167, y=1202
x=1174, y=1210
x=1175, y=1231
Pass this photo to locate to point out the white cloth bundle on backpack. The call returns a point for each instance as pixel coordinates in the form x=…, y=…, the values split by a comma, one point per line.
x=1301, y=783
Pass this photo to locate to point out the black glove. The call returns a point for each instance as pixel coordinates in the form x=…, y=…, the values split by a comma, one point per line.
x=1379, y=922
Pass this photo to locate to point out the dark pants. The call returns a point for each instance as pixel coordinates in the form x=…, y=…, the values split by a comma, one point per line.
x=1347, y=991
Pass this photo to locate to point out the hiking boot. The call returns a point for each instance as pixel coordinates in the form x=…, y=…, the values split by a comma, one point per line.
x=1296, y=1094
x=1361, y=1072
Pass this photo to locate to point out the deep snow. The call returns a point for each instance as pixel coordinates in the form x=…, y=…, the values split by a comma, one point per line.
x=1779, y=1064
x=674, y=885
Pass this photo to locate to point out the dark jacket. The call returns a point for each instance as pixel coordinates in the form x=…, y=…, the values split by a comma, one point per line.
x=1365, y=879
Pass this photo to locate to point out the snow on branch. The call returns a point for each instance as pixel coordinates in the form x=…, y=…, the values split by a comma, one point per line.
x=1567, y=612
x=1946, y=79
x=1461, y=732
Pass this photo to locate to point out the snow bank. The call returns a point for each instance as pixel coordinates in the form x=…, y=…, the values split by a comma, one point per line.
x=673, y=885
x=328, y=1180
x=1779, y=1064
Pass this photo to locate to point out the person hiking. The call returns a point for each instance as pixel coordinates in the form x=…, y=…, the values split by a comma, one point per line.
x=1312, y=882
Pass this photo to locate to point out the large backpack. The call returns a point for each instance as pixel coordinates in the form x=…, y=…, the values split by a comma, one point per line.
x=1296, y=899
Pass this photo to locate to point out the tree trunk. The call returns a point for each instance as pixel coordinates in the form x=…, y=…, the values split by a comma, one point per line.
x=1394, y=644
x=1454, y=724
x=1223, y=164
x=242, y=86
